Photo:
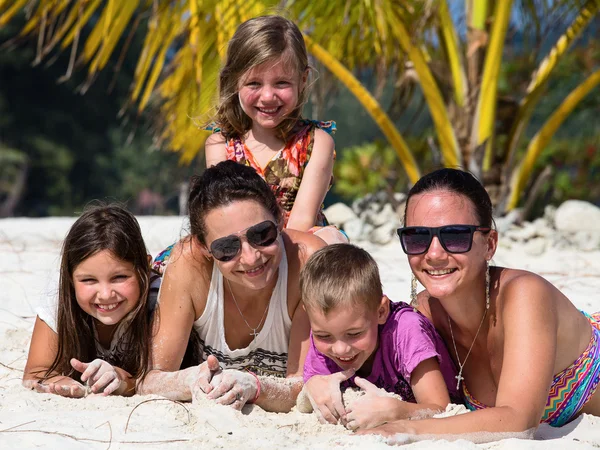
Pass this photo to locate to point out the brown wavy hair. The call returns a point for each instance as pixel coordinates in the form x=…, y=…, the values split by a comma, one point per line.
x=256, y=41
x=101, y=227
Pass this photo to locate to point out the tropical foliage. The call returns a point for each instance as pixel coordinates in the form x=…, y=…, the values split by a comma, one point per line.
x=454, y=58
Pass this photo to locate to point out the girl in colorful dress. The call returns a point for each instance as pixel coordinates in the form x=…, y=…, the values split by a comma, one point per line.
x=98, y=331
x=525, y=354
x=262, y=90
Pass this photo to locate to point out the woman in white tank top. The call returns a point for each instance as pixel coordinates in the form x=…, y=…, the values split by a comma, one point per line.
x=235, y=281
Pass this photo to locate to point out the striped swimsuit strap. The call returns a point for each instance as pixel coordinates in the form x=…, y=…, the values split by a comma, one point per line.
x=571, y=388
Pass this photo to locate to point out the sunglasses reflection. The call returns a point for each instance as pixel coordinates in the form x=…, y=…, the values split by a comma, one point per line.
x=260, y=235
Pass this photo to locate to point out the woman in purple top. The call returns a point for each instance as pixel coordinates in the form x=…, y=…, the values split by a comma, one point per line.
x=356, y=330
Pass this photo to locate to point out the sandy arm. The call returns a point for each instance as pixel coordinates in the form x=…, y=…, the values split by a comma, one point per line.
x=172, y=326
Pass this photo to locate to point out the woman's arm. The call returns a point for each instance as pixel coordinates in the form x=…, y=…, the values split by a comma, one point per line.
x=173, y=323
x=314, y=184
x=214, y=149
x=529, y=325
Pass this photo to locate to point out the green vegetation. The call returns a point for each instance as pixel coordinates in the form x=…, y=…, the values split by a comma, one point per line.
x=495, y=81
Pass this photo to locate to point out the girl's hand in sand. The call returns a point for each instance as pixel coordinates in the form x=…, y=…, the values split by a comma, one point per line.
x=65, y=386
x=325, y=396
x=374, y=408
x=101, y=376
x=233, y=387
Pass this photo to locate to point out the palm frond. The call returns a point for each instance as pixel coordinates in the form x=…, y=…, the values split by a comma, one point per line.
x=522, y=173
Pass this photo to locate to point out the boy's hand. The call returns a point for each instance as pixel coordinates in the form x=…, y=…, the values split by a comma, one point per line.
x=65, y=386
x=374, y=408
x=101, y=376
x=325, y=396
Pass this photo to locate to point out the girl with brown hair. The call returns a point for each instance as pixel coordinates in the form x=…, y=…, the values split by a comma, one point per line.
x=98, y=332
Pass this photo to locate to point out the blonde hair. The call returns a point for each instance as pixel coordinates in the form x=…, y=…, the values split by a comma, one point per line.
x=256, y=41
x=340, y=275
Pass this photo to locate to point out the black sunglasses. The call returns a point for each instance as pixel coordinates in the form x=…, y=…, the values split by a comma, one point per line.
x=260, y=235
x=454, y=238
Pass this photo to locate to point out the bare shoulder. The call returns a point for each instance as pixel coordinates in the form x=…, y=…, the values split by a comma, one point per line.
x=324, y=140
x=522, y=293
x=187, y=271
x=215, y=139
x=214, y=149
x=300, y=245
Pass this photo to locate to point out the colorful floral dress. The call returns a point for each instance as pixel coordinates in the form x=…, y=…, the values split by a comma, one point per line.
x=283, y=173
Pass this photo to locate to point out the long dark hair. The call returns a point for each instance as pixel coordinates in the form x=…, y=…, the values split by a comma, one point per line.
x=112, y=228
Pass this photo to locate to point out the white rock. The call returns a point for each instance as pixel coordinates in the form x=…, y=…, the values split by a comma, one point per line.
x=522, y=234
x=586, y=240
x=550, y=214
x=536, y=246
x=504, y=223
x=339, y=213
x=357, y=230
x=383, y=234
x=577, y=215
x=399, y=197
x=386, y=215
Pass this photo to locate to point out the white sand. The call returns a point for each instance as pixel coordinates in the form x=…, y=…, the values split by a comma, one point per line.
x=29, y=256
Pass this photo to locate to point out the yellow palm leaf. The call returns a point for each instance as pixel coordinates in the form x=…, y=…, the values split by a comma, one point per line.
x=119, y=22
x=543, y=136
x=542, y=74
x=11, y=11
x=453, y=54
x=158, y=26
x=89, y=9
x=437, y=107
x=50, y=7
x=370, y=104
x=485, y=114
x=159, y=62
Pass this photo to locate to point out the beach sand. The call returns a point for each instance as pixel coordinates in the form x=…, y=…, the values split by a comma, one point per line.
x=30, y=251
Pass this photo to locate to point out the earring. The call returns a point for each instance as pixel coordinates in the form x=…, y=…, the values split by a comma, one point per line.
x=487, y=285
x=413, y=292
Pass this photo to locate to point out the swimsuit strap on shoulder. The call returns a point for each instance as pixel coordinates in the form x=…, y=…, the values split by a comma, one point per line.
x=329, y=126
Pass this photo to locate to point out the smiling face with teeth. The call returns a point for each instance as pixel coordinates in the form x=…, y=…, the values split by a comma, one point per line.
x=269, y=92
x=106, y=287
x=348, y=334
x=445, y=274
x=253, y=267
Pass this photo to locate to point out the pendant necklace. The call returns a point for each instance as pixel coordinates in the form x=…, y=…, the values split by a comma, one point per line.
x=255, y=331
x=459, y=377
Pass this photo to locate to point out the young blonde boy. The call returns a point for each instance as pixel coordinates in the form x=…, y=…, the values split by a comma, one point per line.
x=360, y=338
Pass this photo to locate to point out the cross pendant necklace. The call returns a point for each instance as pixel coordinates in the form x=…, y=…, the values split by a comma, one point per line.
x=459, y=377
x=255, y=331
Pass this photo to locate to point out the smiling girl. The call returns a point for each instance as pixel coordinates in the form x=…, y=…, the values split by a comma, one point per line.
x=98, y=331
x=262, y=90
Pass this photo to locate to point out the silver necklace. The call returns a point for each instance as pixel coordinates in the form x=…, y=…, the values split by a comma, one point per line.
x=459, y=377
x=254, y=330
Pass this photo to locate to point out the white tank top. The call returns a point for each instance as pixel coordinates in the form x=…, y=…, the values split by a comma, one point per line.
x=267, y=354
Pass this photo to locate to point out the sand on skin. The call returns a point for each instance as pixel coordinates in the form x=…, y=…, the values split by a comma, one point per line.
x=30, y=255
